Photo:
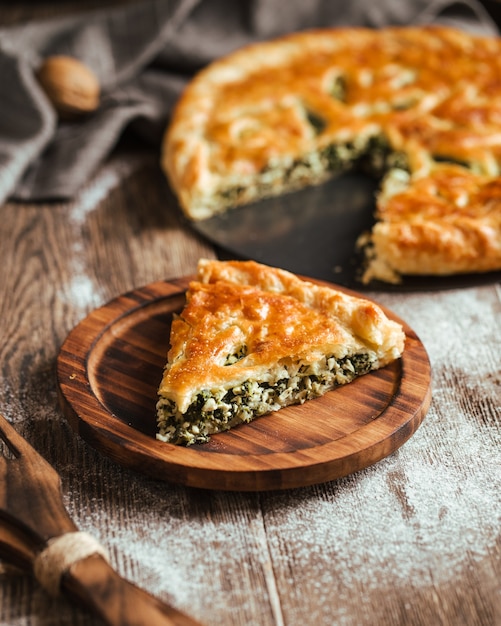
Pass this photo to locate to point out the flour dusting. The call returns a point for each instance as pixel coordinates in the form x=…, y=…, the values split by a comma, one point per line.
x=370, y=533
x=108, y=178
x=90, y=197
x=82, y=292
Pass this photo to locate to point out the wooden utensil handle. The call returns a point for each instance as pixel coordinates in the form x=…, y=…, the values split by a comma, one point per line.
x=94, y=583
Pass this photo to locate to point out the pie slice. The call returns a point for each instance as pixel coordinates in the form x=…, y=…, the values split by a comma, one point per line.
x=253, y=339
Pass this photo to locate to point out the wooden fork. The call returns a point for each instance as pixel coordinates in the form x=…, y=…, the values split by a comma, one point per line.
x=33, y=516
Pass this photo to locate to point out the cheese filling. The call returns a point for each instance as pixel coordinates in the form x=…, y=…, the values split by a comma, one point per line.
x=218, y=409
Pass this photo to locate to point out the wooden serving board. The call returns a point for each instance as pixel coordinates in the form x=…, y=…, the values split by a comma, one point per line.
x=110, y=366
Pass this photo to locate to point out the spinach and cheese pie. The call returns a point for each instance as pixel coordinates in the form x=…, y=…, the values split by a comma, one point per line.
x=419, y=107
x=252, y=339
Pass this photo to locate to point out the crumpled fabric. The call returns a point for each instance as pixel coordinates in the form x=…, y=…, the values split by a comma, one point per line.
x=143, y=55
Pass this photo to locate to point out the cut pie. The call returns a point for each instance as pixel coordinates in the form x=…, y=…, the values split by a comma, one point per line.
x=252, y=339
x=420, y=107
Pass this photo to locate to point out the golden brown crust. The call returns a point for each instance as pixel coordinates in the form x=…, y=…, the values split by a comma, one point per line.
x=277, y=316
x=417, y=233
x=253, y=113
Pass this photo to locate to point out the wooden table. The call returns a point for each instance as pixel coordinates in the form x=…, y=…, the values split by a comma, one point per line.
x=412, y=540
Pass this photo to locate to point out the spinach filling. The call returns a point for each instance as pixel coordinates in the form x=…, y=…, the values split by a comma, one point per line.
x=317, y=122
x=379, y=157
x=220, y=409
x=439, y=158
x=231, y=195
x=337, y=157
x=236, y=355
x=339, y=88
x=375, y=156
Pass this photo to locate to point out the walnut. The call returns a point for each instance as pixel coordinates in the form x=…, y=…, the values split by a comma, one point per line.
x=70, y=85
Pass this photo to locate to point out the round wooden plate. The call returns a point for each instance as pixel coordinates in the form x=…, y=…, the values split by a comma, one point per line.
x=110, y=366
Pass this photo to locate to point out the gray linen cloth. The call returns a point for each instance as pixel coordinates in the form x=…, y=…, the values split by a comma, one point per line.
x=143, y=54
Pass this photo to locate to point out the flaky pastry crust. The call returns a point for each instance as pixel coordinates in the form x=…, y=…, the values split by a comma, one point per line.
x=423, y=104
x=279, y=317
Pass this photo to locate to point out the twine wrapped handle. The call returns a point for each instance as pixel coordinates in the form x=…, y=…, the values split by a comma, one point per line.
x=60, y=554
x=77, y=564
